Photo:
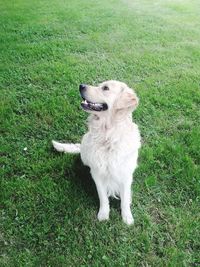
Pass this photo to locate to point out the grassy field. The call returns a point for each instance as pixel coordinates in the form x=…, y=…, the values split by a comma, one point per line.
x=48, y=200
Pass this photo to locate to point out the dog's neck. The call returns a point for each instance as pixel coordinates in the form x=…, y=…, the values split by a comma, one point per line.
x=106, y=123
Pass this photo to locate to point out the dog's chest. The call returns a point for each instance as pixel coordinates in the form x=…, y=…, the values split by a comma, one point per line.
x=97, y=150
x=105, y=153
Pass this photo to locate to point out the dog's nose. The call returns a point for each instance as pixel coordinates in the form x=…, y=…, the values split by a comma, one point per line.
x=82, y=87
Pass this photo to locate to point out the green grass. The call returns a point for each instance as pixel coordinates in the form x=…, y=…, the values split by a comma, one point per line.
x=48, y=200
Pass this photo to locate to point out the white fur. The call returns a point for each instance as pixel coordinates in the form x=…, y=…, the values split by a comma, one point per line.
x=110, y=147
x=66, y=148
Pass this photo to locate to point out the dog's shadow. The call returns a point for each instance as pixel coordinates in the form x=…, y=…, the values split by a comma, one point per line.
x=82, y=180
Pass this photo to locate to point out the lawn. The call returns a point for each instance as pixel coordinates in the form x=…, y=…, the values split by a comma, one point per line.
x=48, y=201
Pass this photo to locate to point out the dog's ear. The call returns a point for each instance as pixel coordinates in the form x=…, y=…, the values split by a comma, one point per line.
x=127, y=100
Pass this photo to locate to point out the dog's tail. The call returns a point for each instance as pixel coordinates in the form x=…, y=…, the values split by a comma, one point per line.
x=67, y=148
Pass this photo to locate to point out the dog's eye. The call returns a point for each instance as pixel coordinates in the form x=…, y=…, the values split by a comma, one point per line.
x=105, y=88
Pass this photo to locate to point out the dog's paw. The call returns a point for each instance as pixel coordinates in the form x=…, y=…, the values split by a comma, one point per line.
x=128, y=218
x=103, y=215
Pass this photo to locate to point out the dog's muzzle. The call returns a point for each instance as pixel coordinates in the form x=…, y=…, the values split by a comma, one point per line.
x=88, y=105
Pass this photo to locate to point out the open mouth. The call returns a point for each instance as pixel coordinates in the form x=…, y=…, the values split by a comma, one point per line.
x=87, y=105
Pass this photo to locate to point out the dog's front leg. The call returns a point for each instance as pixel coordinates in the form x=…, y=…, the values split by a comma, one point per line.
x=125, y=195
x=104, y=208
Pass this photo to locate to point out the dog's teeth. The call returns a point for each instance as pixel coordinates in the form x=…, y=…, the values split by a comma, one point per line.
x=91, y=105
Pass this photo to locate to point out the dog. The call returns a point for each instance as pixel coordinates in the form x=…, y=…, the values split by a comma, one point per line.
x=111, y=145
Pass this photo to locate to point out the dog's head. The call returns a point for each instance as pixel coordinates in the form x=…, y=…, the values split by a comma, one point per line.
x=109, y=96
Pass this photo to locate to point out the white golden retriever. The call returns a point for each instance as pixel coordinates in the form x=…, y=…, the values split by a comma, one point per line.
x=110, y=147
